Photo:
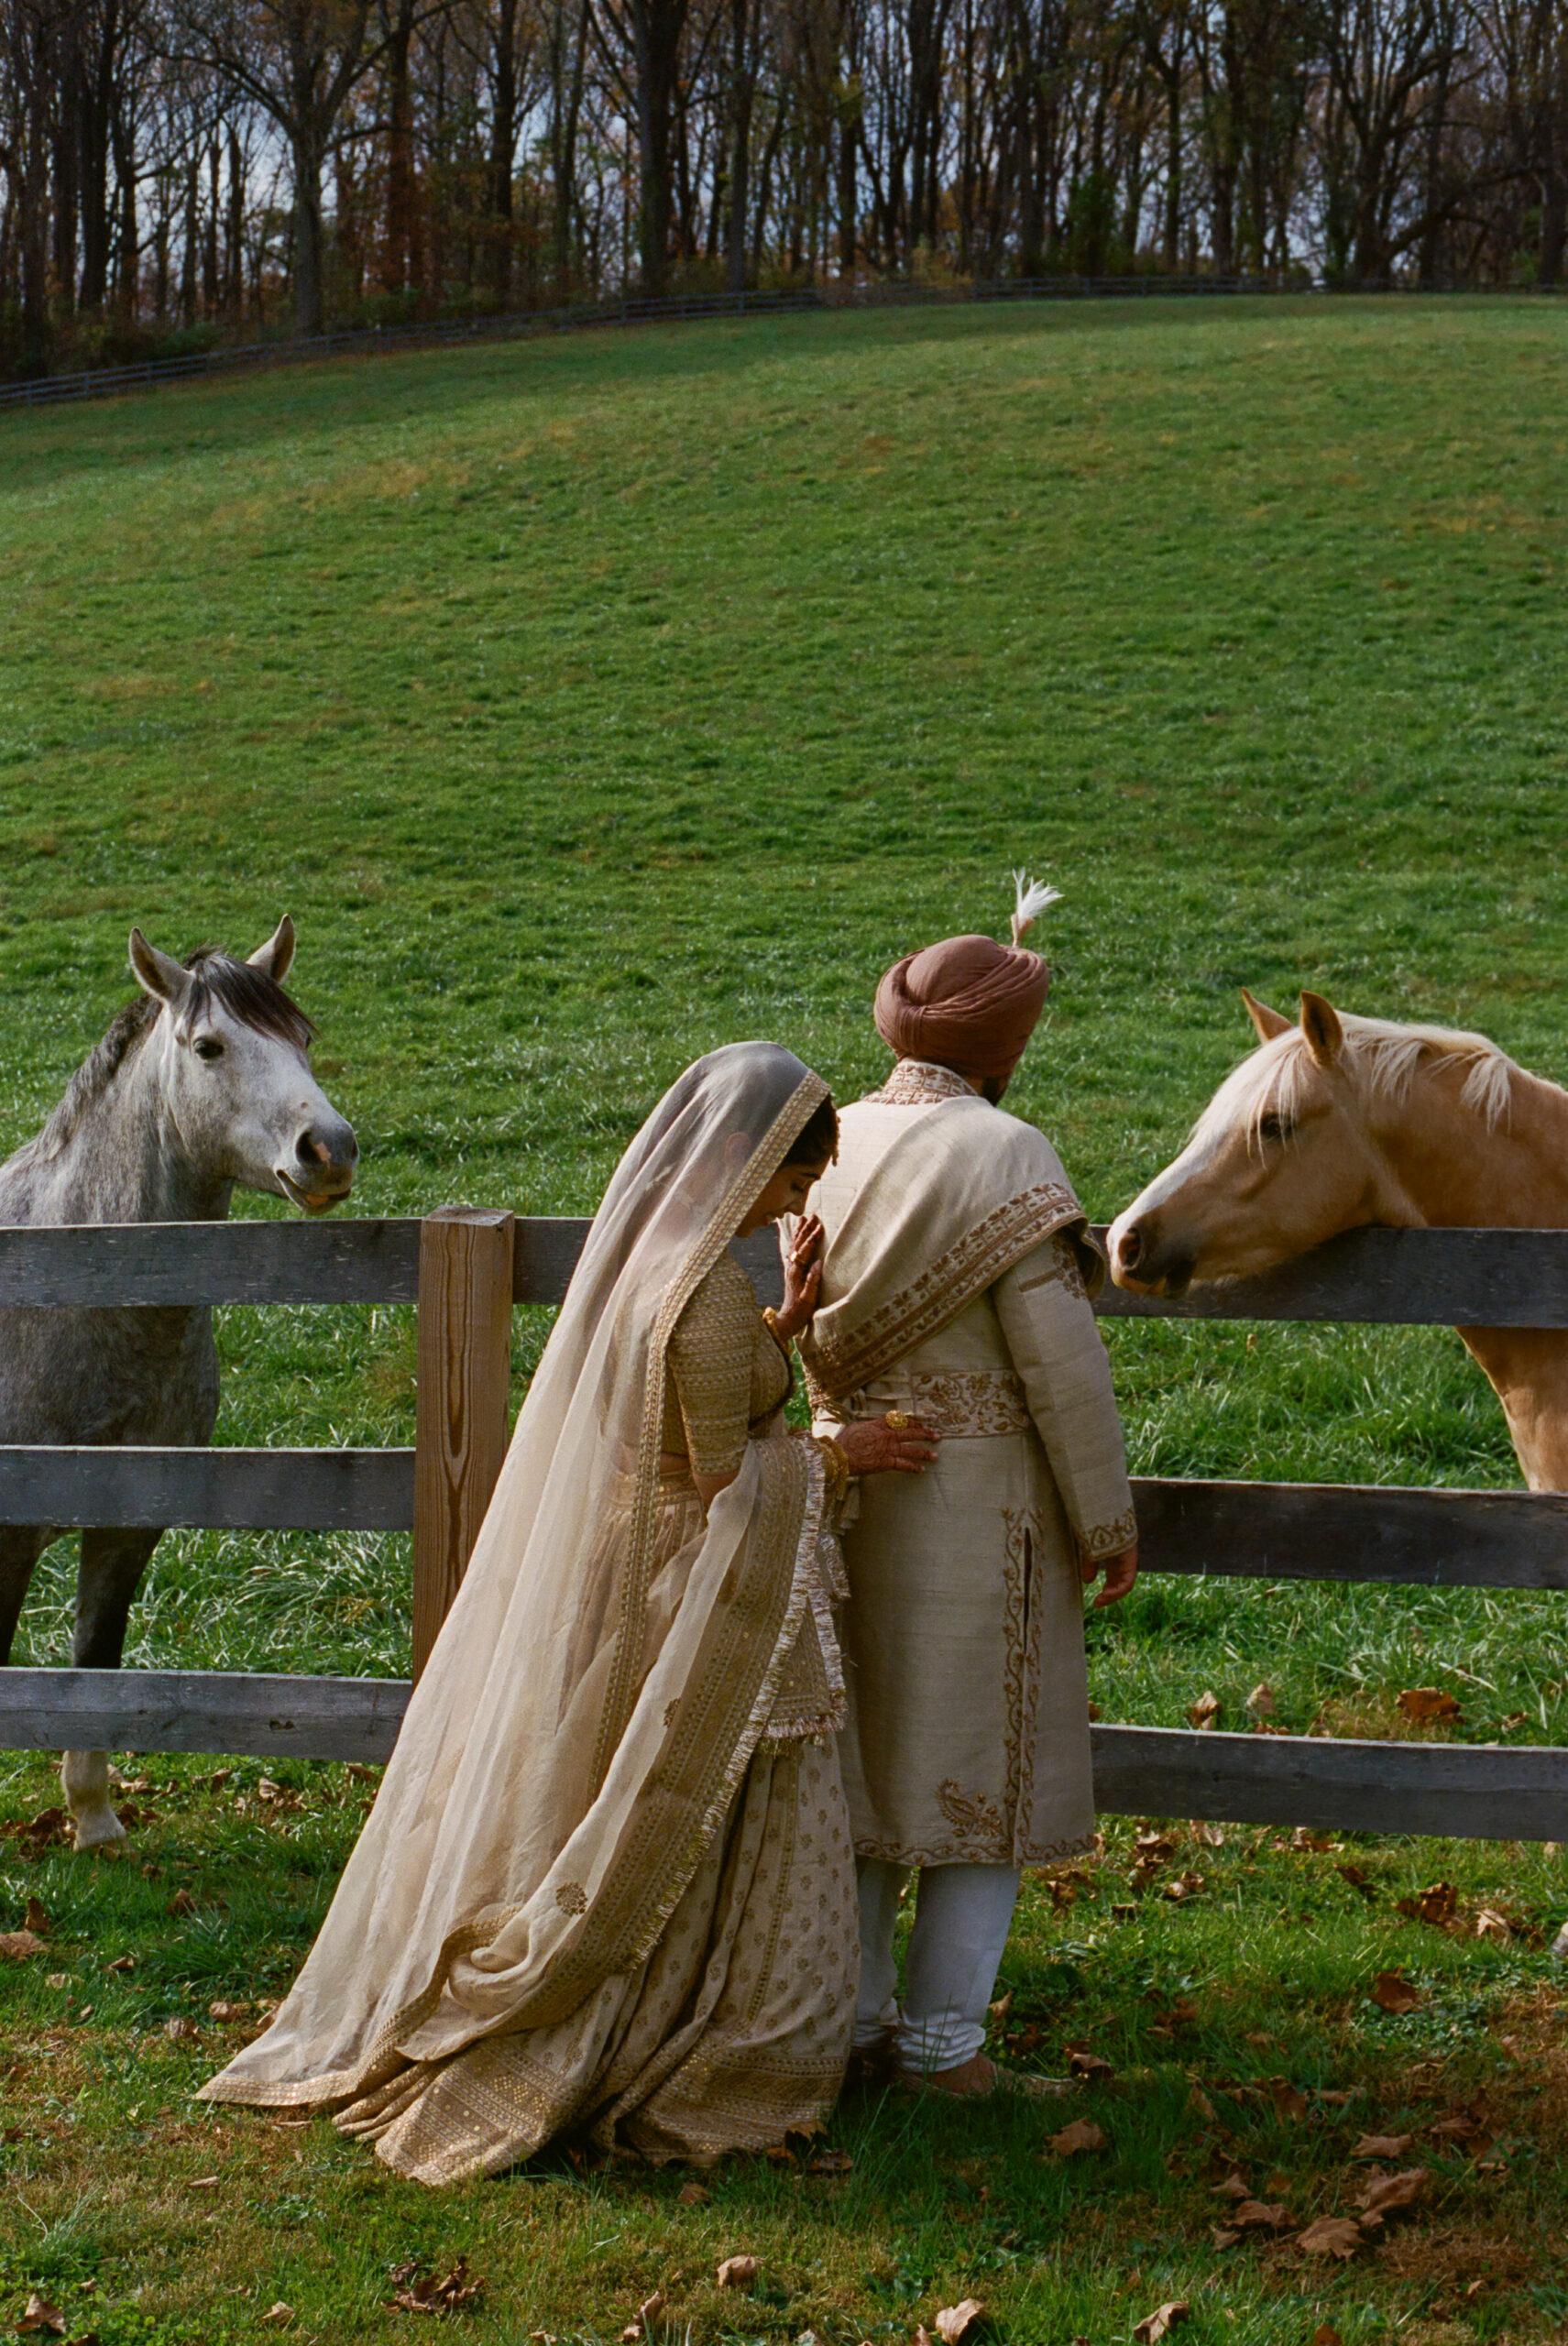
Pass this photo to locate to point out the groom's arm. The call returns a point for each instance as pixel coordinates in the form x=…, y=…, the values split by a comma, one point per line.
x=1056, y=1350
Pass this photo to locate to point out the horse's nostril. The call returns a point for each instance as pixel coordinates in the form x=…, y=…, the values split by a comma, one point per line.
x=1129, y=1247
x=311, y=1151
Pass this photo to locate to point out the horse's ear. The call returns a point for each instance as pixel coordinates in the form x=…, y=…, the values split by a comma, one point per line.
x=1268, y=1022
x=157, y=973
x=1320, y=1024
x=273, y=958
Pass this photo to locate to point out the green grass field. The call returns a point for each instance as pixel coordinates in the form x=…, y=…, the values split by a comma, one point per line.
x=589, y=705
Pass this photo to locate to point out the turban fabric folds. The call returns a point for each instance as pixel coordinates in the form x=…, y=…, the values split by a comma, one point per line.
x=967, y=1003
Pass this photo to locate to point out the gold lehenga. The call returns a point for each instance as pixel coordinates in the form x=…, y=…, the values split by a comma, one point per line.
x=638, y=1916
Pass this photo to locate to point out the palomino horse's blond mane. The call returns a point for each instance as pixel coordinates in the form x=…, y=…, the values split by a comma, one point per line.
x=1380, y=1056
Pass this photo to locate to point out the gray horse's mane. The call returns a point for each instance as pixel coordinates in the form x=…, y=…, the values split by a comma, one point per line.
x=247, y=994
x=1382, y=1056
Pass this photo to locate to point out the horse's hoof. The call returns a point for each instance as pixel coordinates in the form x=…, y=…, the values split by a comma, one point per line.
x=99, y=1829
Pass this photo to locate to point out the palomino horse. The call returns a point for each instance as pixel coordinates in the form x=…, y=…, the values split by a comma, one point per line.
x=1342, y=1121
x=201, y=1084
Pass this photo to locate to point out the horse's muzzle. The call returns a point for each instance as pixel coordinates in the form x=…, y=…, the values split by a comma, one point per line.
x=1146, y=1264
x=321, y=1175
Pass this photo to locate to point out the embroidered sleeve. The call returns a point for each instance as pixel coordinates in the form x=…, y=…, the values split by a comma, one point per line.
x=711, y=1355
x=1056, y=1351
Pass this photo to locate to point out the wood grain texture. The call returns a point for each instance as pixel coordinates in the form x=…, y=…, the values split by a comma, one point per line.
x=466, y=1283
x=1461, y=1279
x=188, y=1710
x=1478, y=1794
x=211, y=1262
x=290, y=1490
x=1349, y=1531
x=548, y=1247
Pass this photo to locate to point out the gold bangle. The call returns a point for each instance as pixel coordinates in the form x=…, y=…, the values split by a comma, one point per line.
x=835, y=1466
x=772, y=1320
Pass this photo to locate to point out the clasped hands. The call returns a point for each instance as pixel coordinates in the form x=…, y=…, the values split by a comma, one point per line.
x=871, y=1445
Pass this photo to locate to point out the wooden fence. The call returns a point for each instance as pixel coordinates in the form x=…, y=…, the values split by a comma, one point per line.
x=467, y=1267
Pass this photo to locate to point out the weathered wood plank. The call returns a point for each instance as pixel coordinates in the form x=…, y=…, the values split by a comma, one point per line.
x=1348, y=1532
x=465, y=1271
x=187, y=1710
x=211, y=1262
x=548, y=1247
x=286, y=1490
x=1464, y=1278
x=1475, y=1793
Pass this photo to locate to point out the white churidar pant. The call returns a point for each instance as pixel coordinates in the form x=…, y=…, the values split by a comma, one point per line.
x=963, y=1914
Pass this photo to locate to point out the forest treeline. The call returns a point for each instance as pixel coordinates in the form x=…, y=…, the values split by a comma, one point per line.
x=174, y=171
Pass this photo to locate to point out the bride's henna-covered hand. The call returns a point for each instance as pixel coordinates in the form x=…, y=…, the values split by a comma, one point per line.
x=873, y=1447
x=802, y=1278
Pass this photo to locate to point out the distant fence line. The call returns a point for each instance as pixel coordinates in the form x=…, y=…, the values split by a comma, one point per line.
x=105, y=382
x=466, y=1267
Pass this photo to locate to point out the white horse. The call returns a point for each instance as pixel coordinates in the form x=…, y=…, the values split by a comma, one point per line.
x=202, y=1085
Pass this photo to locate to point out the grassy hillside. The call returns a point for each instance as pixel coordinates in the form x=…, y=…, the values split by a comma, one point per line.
x=591, y=704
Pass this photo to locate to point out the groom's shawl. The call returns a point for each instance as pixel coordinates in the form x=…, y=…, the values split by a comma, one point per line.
x=958, y=1194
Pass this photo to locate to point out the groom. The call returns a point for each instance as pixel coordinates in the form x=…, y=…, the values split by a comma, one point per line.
x=955, y=1288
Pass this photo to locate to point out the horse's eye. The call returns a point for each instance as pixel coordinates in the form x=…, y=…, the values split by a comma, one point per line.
x=207, y=1047
x=1272, y=1127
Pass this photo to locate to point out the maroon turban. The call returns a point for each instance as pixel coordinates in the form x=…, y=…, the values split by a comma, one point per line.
x=967, y=1003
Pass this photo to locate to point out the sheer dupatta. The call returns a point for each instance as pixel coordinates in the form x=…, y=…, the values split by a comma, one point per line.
x=585, y=1718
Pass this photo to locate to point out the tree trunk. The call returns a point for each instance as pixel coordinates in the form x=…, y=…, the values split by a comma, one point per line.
x=743, y=88
x=503, y=150
x=398, y=257
x=656, y=29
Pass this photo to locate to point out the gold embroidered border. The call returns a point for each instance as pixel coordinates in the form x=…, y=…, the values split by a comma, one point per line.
x=1015, y=1620
x=914, y=1083
x=1110, y=1539
x=941, y=1293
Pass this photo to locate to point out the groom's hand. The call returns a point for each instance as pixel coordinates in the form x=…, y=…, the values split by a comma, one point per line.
x=1120, y=1570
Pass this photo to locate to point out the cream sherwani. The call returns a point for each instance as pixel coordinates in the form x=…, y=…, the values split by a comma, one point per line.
x=955, y=1285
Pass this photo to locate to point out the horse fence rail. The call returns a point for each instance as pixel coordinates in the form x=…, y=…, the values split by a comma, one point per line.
x=467, y=1267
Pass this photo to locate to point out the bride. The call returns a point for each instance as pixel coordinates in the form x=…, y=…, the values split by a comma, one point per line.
x=608, y=1880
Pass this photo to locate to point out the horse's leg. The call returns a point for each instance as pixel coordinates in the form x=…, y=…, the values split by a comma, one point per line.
x=20, y=1548
x=112, y=1565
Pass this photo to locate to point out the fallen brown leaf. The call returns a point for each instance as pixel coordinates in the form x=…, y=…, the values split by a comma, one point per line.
x=692, y=2195
x=226, y=2012
x=1490, y=1924
x=1259, y=2216
x=56, y=1979
x=1382, y=2146
x=202, y=2183
x=1358, y=1878
x=1394, y=1993
x=181, y=1904
x=1186, y=1885
x=1083, y=2134
x=1326, y=2334
x=414, y=2291
x=737, y=2272
x=957, y=2321
x=122, y=1963
x=1224, y=2237
x=1260, y=1702
x=1289, y=2101
x=39, y=2314
x=17, y=1946
x=1199, y=2105
x=641, y=2323
x=1427, y=1702
x=1331, y=2236
x=184, y=2031
x=1304, y=1837
x=1435, y=1904
x=1205, y=1710
x=279, y=2316
x=1385, y=2193
x=830, y=2162
x=1232, y=2188
x=1161, y=2322
x=1083, y=2063
x=37, y=1918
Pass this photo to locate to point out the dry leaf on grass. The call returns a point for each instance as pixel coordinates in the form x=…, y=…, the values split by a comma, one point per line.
x=1083, y=2134
x=1083, y=2063
x=955, y=2322
x=1205, y=1710
x=414, y=2291
x=39, y=2315
x=1358, y=1878
x=1421, y=1703
x=1199, y=2104
x=737, y=2272
x=1260, y=2216
x=1468, y=2122
x=1232, y=2188
x=1162, y=2322
x=1490, y=1924
x=122, y=1963
x=1326, y=2334
x=37, y=1918
x=181, y=1904
x=643, y=2321
x=1304, y=1837
x=692, y=2195
x=1331, y=2236
x=1435, y=1904
x=1289, y=2101
x=1186, y=1885
x=1395, y=1992
x=1385, y=2193
x=184, y=2031
x=17, y=1946
x=830, y=2162
x=279, y=2316
x=202, y=2183
x=1382, y=2146
x=1260, y=1702
x=227, y=2011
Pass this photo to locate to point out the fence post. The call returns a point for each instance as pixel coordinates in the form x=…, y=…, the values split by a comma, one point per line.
x=460, y=1427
